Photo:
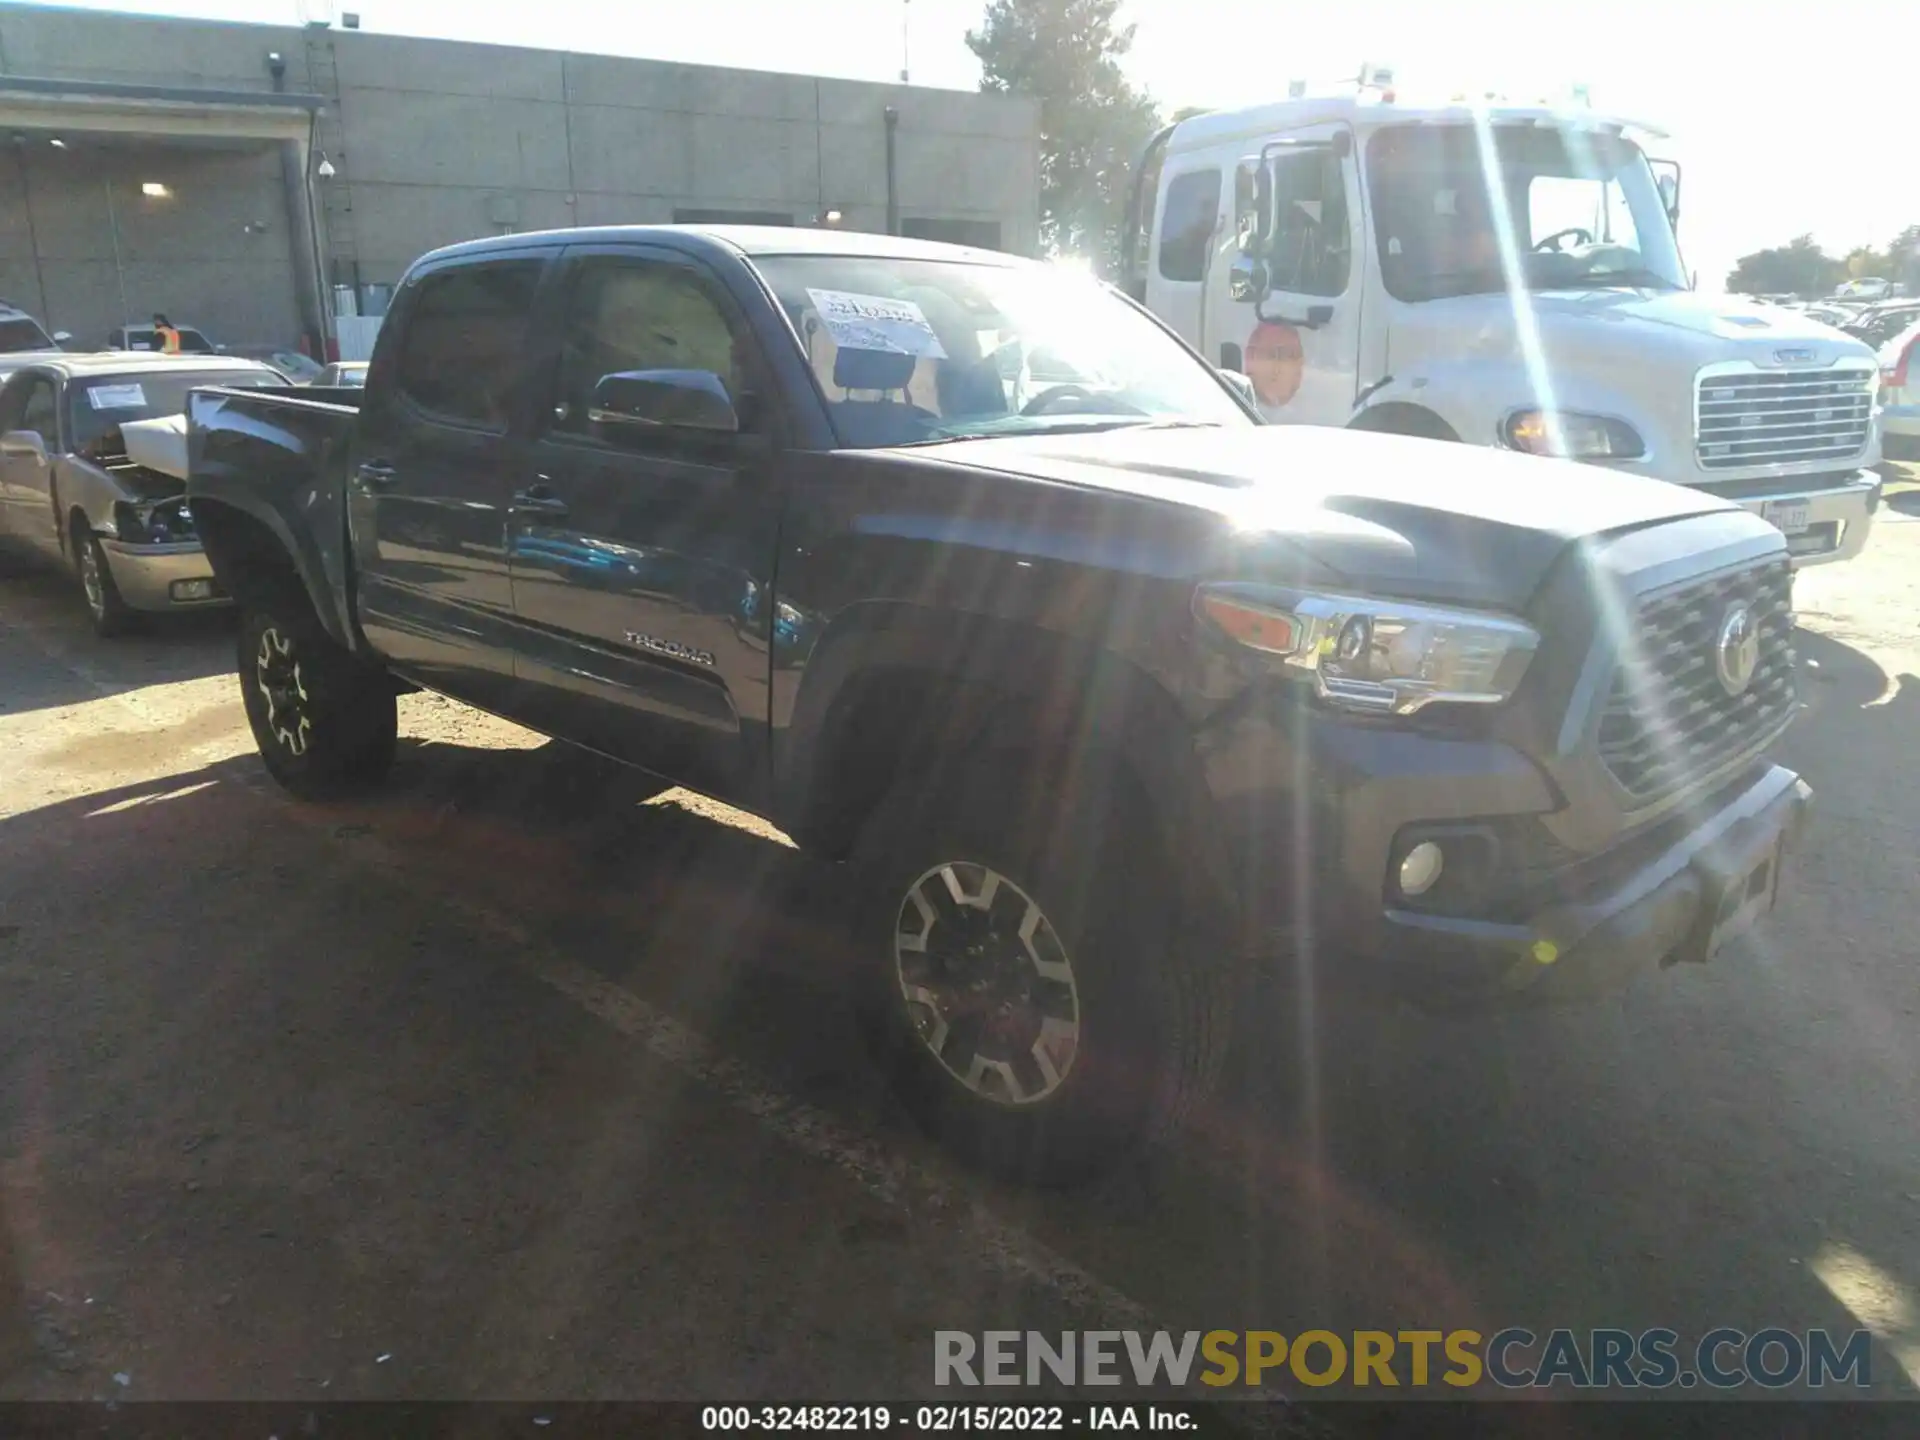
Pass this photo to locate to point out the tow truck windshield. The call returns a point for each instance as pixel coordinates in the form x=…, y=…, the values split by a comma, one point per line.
x=1456, y=207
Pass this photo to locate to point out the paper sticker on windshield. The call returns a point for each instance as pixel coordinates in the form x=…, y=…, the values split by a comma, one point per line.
x=117, y=397
x=875, y=322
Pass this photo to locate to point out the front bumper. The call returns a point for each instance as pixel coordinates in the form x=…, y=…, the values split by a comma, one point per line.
x=1676, y=905
x=1828, y=525
x=148, y=576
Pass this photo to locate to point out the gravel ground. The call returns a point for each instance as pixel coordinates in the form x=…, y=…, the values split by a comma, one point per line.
x=513, y=1082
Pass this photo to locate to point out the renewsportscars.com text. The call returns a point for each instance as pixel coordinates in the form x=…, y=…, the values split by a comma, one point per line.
x=1514, y=1358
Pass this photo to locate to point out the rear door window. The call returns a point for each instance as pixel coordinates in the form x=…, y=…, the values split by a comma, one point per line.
x=465, y=349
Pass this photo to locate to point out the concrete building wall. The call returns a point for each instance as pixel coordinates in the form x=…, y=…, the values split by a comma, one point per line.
x=436, y=141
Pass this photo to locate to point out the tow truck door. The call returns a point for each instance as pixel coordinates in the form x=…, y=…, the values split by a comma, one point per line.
x=1300, y=341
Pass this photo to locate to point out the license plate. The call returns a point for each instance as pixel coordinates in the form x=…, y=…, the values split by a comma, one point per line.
x=1746, y=898
x=1787, y=516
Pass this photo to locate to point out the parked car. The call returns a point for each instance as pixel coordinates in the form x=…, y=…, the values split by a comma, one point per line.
x=1064, y=666
x=1881, y=323
x=142, y=337
x=69, y=489
x=348, y=374
x=1900, y=393
x=21, y=334
x=297, y=367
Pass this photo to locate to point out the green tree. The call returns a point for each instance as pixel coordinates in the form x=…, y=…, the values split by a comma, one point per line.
x=1799, y=267
x=1066, y=54
x=1903, y=258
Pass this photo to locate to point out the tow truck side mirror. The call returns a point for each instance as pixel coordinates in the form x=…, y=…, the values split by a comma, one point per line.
x=1666, y=175
x=1247, y=280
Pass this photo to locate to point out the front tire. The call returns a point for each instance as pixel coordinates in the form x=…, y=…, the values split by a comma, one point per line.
x=325, y=721
x=109, y=613
x=1026, y=982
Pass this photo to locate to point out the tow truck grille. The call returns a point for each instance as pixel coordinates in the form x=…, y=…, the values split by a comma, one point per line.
x=1669, y=717
x=1771, y=417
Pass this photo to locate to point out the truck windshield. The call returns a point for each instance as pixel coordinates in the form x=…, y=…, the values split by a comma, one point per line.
x=917, y=351
x=23, y=334
x=101, y=404
x=1582, y=211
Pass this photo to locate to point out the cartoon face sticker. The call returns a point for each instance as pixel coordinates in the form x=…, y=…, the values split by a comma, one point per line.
x=1274, y=363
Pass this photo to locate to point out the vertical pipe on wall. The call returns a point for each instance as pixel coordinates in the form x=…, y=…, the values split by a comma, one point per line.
x=33, y=234
x=303, y=245
x=119, y=270
x=893, y=189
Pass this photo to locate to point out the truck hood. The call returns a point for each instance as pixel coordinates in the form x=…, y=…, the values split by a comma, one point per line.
x=1417, y=519
x=1593, y=332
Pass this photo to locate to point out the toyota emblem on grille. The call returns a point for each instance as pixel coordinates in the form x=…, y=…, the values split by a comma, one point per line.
x=1794, y=357
x=1737, y=654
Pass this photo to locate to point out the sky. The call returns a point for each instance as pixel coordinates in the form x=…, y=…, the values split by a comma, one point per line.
x=1782, y=127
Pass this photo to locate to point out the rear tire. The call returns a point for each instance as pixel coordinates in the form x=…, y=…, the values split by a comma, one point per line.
x=1061, y=1013
x=325, y=721
x=109, y=613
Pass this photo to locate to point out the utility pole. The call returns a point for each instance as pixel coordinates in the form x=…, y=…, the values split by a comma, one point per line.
x=906, y=38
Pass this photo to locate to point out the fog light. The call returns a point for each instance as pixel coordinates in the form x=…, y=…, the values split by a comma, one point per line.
x=203, y=590
x=1420, y=868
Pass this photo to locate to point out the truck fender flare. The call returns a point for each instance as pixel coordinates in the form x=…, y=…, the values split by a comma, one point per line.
x=1066, y=689
x=224, y=540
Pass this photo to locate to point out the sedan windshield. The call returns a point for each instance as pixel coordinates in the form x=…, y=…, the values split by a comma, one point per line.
x=922, y=351
x=101, y=404
x=1573, y=209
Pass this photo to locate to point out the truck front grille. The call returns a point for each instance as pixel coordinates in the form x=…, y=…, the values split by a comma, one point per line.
x=1669, y=716
x=1773, y=417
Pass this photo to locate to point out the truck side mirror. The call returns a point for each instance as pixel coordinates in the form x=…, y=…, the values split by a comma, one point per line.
x=61, y=337
x=1247, y=280
x=665, y=400
x=1666, y=175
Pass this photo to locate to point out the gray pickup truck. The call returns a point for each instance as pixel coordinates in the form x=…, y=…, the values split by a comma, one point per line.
x=972, y=574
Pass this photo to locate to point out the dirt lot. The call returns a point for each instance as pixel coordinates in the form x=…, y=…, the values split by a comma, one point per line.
x=504, y=1085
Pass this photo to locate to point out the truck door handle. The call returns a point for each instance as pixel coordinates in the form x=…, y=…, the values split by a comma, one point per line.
x=539, y=500
x=375, y=474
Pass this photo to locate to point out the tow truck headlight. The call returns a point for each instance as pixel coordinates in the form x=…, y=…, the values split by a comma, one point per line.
x=1571, y=435
x=1385, y=657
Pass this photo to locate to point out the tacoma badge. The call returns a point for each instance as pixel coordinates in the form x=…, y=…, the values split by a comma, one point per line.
x=669, y=647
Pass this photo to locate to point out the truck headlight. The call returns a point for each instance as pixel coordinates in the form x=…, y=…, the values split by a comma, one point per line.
x=1377, y=656
x=1571, y=435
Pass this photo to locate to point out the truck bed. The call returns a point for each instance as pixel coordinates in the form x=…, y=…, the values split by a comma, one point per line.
x=278, y=456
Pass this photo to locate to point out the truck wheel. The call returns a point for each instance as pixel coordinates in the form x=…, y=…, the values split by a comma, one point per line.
x=325, y=721
x=1024, y=980
x=105, y=608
